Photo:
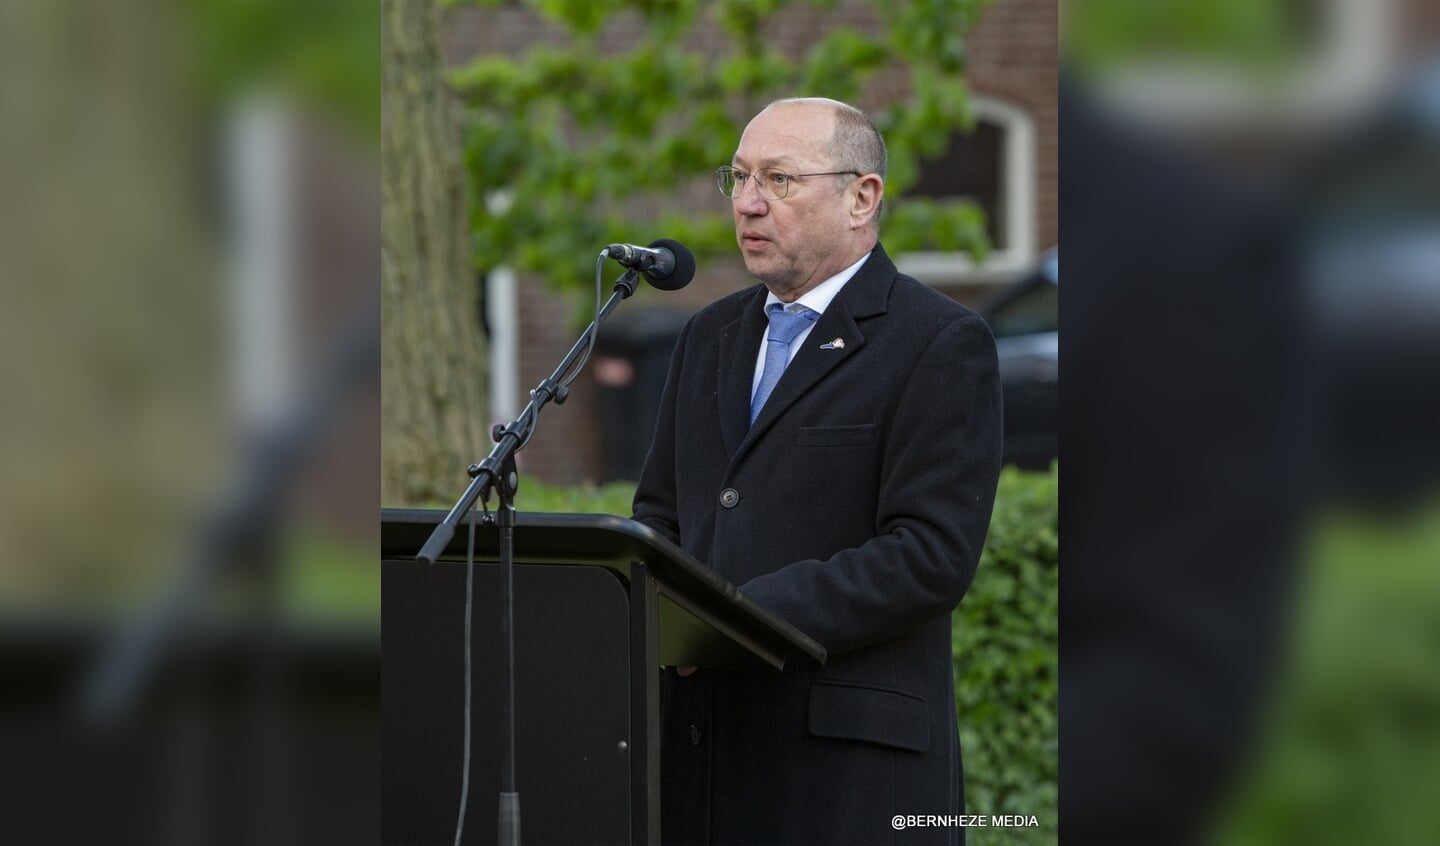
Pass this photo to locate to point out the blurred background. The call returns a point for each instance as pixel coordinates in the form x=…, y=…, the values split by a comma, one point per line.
x=188, y=604
x=1250, y=601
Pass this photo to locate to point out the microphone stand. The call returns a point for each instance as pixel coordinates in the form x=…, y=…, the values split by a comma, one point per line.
x=497, y=472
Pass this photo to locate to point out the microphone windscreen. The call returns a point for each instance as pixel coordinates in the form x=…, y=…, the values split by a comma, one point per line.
x=684, y=266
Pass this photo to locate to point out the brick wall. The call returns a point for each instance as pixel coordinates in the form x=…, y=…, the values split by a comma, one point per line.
x=1012, y=58
x=1013, y=53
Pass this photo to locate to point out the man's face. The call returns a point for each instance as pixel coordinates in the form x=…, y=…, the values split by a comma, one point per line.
x=798, y=242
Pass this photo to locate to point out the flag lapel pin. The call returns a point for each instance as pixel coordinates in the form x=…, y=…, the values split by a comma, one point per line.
x=837, y=344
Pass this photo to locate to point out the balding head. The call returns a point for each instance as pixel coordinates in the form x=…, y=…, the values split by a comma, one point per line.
x=855, y=142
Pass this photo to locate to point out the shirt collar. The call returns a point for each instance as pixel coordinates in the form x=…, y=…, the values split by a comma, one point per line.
x=819, y=298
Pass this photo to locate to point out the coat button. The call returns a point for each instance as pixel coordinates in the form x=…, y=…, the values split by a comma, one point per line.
x=694, y=735
x=729, y=497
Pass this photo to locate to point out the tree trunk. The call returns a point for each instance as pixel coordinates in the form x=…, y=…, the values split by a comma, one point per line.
x=433, y=371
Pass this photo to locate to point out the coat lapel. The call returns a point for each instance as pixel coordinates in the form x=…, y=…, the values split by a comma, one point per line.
x=739, y=344
x=865, y=295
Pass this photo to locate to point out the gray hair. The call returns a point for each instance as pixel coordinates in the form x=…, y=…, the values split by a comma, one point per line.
x=856, y=142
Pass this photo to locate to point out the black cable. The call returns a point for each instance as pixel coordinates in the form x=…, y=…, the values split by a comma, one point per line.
x=594, y=323
x=469, y=603
x=526, y=422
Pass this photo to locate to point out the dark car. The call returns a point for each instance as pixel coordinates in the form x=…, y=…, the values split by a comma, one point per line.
x=1025, y=317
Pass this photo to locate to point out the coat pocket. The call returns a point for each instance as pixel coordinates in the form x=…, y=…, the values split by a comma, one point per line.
x=834, y=435
x=853, y=711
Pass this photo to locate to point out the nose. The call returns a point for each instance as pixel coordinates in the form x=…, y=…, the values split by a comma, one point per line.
x=749, y=201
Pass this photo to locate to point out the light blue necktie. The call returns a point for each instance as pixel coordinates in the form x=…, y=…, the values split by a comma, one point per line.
x=784, y=326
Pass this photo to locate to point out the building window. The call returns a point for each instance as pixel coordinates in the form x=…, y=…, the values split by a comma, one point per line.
x=971, y=168
x=994, y=167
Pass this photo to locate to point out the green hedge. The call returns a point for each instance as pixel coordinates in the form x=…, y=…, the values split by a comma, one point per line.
x=1004, y=637
x=1348, y=741
x=614, y=498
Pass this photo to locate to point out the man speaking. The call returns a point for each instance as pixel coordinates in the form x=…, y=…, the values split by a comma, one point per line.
x=830, y=443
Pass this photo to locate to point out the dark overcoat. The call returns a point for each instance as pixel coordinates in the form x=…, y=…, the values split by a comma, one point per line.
x=854, y=508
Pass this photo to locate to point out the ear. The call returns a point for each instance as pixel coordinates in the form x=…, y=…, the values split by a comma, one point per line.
x=865, y=196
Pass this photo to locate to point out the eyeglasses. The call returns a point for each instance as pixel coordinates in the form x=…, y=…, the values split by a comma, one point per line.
x=773, y=184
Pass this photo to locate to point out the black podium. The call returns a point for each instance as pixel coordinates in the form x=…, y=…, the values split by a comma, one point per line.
x=601, y=603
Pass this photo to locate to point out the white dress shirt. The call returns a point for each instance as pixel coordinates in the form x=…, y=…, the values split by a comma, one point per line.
x=816, y=299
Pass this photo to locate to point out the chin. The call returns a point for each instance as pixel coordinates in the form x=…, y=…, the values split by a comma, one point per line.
x=755, y=266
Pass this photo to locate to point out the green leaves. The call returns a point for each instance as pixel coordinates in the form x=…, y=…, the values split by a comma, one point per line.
x=915, y=223
x=1240, y=34
x=932, y=31
x=1004, y=636
x=589, y=145
x=322, y=52
x=744, y=19
x=835, y=67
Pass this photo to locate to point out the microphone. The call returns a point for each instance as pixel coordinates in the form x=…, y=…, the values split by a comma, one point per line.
x=669, y=265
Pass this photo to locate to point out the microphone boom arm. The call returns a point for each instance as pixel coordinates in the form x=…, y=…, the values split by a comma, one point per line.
x=510, y=437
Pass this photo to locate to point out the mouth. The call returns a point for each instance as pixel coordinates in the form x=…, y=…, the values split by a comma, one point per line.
x=752, y=241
